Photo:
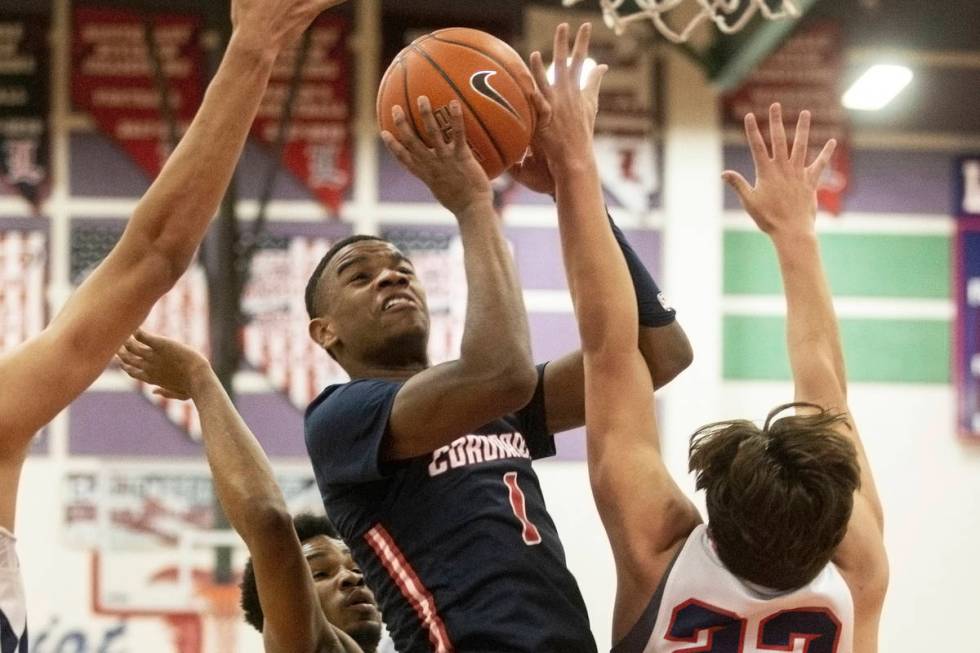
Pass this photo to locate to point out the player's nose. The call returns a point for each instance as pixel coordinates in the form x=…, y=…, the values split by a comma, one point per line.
x=389, y=278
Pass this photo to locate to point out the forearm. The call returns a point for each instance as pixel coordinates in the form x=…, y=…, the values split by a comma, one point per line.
x=813, y=339
x=243, y=479
x=176, y=210
x=605, y=307
x=495, y=335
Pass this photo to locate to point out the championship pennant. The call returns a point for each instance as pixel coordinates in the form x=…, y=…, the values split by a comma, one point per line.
x=24, y=139
x=116, y=78
x=317, y=146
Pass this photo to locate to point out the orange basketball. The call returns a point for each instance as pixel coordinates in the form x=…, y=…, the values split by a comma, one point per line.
x=489, y=79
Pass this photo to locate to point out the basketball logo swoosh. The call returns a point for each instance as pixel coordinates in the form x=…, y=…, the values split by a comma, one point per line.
x=480, y=81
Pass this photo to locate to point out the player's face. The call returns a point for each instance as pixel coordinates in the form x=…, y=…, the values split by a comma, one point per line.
x=375, y=302
x=346, y=601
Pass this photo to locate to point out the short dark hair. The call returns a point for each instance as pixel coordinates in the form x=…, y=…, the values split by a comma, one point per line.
x=779, y=498
x=307, y=526
x=314, y=281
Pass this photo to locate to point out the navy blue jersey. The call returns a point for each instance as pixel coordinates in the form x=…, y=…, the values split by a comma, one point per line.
x=457, y=545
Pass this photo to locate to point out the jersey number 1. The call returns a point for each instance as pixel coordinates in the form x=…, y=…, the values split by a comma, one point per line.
x=528, y=530
x=817, y=627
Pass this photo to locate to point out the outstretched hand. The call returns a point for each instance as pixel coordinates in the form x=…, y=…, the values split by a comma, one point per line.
x=566, y=108
x=449, y=169
x=275, y=24
x=171, y=366
x=784, y=198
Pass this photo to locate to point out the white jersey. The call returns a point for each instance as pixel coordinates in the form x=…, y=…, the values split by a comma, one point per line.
x=13, y=614
x=701, y=606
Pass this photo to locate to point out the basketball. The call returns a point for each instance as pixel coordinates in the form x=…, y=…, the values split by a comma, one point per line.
x=490, y=80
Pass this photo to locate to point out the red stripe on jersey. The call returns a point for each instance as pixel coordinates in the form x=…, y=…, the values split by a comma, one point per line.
x=410, y=586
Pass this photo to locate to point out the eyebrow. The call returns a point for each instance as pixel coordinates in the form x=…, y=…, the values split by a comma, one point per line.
x=349, y=262
x=397, y=256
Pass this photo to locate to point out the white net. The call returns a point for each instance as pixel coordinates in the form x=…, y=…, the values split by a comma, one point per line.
x=729, y=16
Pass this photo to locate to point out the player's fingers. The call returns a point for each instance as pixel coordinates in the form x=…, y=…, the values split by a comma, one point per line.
x=543, y=108
x=738, y=183
x=580, y=50
x=817, y=168
x=757, y=145
x=432, y=131
x=540, y=74
x=594, y=82
x=800, y=142
x=405, y=134
x=135, y=372
x=560, y=53
x=459, y=144
x=397, y=150
x=777, y=132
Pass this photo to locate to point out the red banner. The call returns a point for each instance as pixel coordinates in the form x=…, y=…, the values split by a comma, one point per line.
x=805, y=73
x=113, y=77
x=318, y=146
x=24, y=106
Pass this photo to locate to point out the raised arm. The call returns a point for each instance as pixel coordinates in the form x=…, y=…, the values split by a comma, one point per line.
x=662, y=341
x=167, y=225
x=644, y=512
x=494, y=374
x=248, y=493
x=783, y=204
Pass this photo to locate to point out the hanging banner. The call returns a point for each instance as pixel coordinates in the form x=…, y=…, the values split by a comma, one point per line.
x=114, y=79
x=805, y=73
x=24, y=81
x=624, y=145
x=317, y=148
x=966, y=277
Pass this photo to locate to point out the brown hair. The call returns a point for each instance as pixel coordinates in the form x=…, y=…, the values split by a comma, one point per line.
x=779, y=498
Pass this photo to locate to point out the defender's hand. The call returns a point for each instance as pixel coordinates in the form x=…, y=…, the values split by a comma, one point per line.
x=450, y=170
x=274, y=24
x=784, y=198
x=174, y=368
x=566, y=109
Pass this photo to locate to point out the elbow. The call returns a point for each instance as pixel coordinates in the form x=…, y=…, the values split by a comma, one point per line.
x=676, y=360
x=514, y=386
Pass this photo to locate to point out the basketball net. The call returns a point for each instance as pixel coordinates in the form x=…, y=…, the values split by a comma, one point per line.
x=729, y=16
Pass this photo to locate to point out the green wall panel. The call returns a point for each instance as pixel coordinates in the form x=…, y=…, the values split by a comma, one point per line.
x=858, y=265
x=876, y=351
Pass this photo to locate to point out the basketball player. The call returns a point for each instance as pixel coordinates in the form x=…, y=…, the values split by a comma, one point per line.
x=301, y=589
x=41, y=377
x=792, y=555
x=426, y=470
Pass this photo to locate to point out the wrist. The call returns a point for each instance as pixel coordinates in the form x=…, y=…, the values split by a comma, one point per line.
x=476, y=208
x=200, y=378
x=789, y=240
x=252, y=49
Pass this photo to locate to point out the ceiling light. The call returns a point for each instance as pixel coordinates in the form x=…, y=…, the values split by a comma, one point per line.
x=587, y=67
x=877, y=87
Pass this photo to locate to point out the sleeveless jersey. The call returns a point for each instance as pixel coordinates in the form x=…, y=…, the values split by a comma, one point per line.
x=701, y=606
x=457, y=545
x=13, y=614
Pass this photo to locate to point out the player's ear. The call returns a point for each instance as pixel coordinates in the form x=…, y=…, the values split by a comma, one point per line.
x=322, y=331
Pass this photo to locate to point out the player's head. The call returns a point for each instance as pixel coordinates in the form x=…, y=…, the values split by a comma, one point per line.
x=367, y=306
x=346, y=601
x=779, y=498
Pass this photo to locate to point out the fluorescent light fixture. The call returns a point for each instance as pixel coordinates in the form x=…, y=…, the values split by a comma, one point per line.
x=877, y=87
x=587, y=67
